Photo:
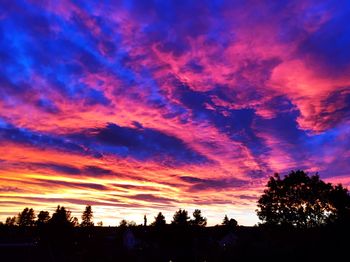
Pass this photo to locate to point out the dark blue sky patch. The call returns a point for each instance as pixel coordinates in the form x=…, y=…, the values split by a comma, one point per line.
x=69, y=184
x=199, y=184
x=24, y=136
x=248, y=197
x=139, y=143
x=329, y=45
x=191, y=179
x=59, y=168
x=152, y=198
x=235, y=123
x=284, y=129
x=340, y=101
x=47, y=106
x=95, y=170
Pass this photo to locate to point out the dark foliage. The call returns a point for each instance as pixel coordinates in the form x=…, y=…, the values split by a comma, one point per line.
x=125, y=223
x=144, y=220
x=86, y=218
x=198, y=220
x=229, y=222
x=302, y=201
x=172, y=243
x=11, y=221
x=26, y=217
x=181, y=218
x=159, y=220
x=43, y=218
x=62, y=218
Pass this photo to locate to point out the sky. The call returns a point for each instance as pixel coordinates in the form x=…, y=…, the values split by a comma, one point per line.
x=136, y=107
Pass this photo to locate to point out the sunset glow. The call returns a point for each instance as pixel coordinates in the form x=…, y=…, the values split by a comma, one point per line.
x=136, y=107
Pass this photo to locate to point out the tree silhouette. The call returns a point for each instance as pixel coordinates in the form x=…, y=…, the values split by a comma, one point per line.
x=144, y=220
x=75, y=222
x=340, y=201
x=11, y=221
x=229, y=222
x=26, y=217
x=180, y=218
x=198, y=220
x=62, y=218
x=87, y=217
x=301, y=201
x=159, y=220
x=100, y=223
x=124, y=223
x=43, y=218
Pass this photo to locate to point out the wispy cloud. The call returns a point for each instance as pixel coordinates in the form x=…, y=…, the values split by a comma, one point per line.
x=146, y=106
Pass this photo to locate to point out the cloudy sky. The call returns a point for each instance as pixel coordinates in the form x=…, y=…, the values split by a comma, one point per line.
x=137, y=107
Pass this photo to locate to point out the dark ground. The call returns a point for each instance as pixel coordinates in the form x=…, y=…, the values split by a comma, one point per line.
x=173, y=244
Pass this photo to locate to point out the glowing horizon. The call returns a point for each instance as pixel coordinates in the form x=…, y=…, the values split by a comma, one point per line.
x=137, y=107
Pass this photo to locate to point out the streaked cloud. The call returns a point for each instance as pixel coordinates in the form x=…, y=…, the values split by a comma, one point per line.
x=137, y=107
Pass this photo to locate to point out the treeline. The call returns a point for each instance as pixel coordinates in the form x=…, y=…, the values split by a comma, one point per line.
x=295, y=200
x=63, y=218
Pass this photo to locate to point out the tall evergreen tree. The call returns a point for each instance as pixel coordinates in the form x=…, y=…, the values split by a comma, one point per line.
x=198, y=220
x=159, y=220
x=87, y=217
x=181, y=218
x=61, y=218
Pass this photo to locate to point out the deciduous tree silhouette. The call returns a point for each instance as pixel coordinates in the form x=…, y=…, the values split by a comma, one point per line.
x=43, y=218
x=75, y=222
x=181, y=218
x=198, y=220
x=87, y=217
x=159, y=220
x=124, y=223
x=229, y=222
x=26, y=217
x=301, y=201
x=11, y=221
x=340, y=200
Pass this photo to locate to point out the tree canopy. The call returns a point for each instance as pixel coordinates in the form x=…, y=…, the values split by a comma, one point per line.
x=181, y=218
x=26, y=217
x=43, y=218
x=62, y=218
x=11, y=221
x=302, y=201
x=198, y=220
x=159, y=220
x=229, y=222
